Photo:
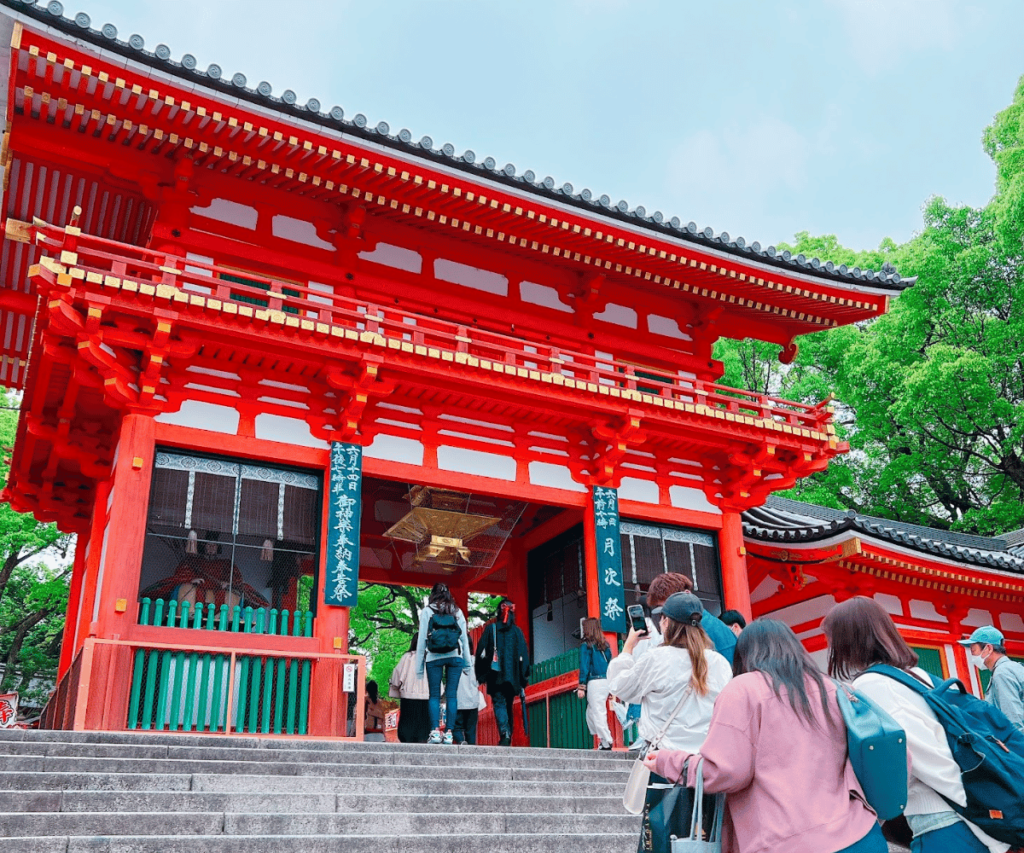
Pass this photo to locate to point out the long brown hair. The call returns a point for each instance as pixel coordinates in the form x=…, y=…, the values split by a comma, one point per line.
x=684, y=635
x=592, y=634
x=860, y=633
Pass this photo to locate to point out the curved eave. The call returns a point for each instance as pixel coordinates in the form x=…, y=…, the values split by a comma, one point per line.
x=687, y=236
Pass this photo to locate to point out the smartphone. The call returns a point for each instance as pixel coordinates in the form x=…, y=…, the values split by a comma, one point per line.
x=636, y=618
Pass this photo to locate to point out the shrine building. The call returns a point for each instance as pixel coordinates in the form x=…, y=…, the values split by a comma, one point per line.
x=268, y=350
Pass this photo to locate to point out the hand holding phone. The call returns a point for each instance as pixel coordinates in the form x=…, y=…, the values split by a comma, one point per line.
x=635, y=613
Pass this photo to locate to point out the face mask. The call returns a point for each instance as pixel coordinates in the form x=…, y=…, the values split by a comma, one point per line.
x=978, y=661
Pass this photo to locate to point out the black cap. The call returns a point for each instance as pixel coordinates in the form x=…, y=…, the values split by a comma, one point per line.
x=683, y=607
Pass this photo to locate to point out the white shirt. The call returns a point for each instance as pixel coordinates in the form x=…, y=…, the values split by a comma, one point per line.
x=657, y=681
x=933, y=770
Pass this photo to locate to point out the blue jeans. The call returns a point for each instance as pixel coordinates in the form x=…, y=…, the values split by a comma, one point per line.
x=950, y=839
x=503, y=702
x=873, y=842
x=435, y=668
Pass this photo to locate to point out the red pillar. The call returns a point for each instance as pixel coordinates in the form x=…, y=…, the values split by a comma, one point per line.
x=91, y=557
x=123, y=540
x=74, y=612
x=735, y=581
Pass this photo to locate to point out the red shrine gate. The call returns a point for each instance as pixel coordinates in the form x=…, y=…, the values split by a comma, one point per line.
x=267, y=352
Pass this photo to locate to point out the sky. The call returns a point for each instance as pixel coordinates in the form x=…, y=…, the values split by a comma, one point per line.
x=761, y=118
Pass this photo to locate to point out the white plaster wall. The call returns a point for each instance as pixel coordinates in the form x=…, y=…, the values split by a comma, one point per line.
x=287, y=431
x=394, y=449
x=206, y=416
x=476, y=462
x=805, y=611
x=397, y=257
x=925, y=610
x=554, y=477
x=666, y=326
x=541, y=294
x=478, y=279
x=695, y=499
x=634, y=489
x=977, y=618
x=230, y=212
x=1011, y=622
x=766, y=589
x=620, y=315
x=890, y=603
x=298, y=231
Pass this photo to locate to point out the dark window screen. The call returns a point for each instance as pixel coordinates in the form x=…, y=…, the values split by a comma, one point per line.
x=224, y=531
x=650, y=550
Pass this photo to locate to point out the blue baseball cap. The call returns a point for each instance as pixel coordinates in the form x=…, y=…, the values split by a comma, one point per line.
x=986, y=636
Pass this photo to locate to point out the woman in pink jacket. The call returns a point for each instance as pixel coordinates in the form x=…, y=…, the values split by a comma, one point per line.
x=777, y=748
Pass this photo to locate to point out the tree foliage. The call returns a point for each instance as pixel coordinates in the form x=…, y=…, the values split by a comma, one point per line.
x=33, y=590
x=930, y=396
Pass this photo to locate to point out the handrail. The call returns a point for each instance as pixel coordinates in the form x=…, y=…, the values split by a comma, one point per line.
x=98, y=256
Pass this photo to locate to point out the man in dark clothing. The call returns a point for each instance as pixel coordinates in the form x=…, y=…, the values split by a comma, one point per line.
x=503, y=664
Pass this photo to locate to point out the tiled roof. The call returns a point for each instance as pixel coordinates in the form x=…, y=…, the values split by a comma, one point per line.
x=781, y=520
x=237, y=86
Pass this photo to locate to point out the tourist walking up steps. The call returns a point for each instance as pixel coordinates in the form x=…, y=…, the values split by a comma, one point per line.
x=442, y=650
x=777, y=747
x=471, y=703
x=413, y=694
x=861, y=634
x=503, y=664
x=595, y=655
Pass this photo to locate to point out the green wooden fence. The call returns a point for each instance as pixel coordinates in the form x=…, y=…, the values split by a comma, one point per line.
x=568, y=712
x=209, y=617
x=182, y=690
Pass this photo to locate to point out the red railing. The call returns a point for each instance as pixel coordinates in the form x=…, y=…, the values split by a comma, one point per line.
x=146, y=267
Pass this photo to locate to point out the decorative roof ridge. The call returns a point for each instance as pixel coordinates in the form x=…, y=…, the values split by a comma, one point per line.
x=106, y=38
x=801, y=522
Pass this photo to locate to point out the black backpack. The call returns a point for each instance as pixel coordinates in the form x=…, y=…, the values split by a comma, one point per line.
x=443, y=633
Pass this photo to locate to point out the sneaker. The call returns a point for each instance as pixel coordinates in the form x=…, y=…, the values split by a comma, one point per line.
x=605, y=746
x=448, y=739
x=435, y=736
x=506, y=740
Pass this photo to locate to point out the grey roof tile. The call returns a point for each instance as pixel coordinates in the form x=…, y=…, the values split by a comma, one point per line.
x=237, y=86
x=784, y=520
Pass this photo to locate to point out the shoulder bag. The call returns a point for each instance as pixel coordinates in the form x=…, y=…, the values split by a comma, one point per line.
x=696, y=842
x=635, y=795
x=878, y=752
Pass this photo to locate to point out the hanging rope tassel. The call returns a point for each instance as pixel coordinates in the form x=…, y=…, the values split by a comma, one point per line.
x=267, y=554
x=191, y=546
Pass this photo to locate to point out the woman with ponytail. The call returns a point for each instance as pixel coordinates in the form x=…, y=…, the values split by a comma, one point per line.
x=683, y=675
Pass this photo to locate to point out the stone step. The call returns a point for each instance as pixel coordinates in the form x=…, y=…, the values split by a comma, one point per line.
x=437, y=756
x=459, y=772
x=375, y=843
x=246, y=783
x=246, y=742
x=399, y=823
x=200, y=801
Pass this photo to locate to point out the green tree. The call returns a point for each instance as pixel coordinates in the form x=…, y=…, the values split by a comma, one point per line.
x=33, y=589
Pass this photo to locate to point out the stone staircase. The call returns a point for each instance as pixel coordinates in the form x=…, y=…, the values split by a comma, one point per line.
x=140, y=793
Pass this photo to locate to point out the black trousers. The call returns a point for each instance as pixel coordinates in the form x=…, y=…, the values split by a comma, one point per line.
x=465, y=726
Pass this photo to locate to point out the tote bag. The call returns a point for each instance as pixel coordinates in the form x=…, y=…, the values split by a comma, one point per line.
x=695, y=841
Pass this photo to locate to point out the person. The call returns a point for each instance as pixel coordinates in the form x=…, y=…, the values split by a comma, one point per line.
x=595, y=655
x=683, y=665
x=860, y=634
x=723, y=640
x=777, y=747
x=1006, y=689
x=373, y=714
x=413, y=693
x=442, y=615
x=734, y=621
x=503, y=664
x=471, y=703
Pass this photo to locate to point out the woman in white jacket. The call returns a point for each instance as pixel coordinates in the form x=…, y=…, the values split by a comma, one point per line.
x=412, y=692
x=685, y=664
x=860, y=634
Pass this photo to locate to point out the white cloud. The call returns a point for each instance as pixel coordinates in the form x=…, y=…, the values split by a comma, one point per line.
x=883, y=31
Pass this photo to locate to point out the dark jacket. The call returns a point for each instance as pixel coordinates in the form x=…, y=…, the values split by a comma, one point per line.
x=721, y=635
x=513, y=658
x=593, y=663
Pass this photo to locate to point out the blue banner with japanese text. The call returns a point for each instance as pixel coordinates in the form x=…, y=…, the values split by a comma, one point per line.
x=609, y=560
x=344, y=508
